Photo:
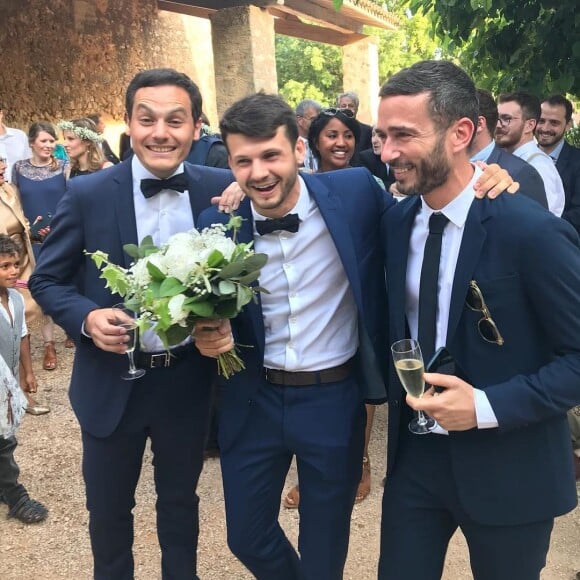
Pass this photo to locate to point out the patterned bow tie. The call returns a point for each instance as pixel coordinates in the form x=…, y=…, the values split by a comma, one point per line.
x=289, y=223
x=151, y=187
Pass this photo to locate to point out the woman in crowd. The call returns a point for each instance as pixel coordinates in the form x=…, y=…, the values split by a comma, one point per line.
x=81, y=141
x=332, y=138
x=14, y=224
x=41, y=182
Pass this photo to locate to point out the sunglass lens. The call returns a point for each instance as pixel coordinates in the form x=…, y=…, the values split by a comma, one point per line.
x=489, y=331
x=473, y=299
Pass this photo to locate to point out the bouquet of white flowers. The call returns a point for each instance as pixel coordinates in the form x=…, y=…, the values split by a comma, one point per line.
x=192, y=276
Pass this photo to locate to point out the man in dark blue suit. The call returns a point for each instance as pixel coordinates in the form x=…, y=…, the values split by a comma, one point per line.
x=170, y=404
x=508, y=310
x=555, y=120
x=315, y=354
x=484, y=148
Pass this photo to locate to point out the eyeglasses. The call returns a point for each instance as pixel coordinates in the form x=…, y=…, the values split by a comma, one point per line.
x=486, y=326
x=332, y=112
x=505, y=120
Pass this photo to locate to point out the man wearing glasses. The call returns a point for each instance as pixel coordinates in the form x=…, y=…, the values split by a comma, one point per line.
x=519, y=114
x=470, y=275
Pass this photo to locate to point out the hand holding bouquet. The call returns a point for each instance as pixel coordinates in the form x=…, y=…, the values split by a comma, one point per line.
x=192, y=276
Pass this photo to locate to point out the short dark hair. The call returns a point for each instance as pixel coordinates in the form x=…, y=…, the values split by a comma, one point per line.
x=157, y=77
x=530, y=104
x=488, y=109
x=561, y=101
x=259, y=115
x=325, y=116
x=452, y=94
x=38, y=127
x=8, y=246
x=95, y=118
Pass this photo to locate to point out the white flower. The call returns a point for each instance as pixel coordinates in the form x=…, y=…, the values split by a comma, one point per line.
x=176, y=311
x=140, y=273
x=224, y=245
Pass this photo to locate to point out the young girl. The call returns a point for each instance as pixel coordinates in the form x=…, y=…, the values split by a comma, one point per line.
x=14, y=349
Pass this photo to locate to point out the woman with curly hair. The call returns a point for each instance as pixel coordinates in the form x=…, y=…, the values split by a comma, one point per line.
x=81, y=141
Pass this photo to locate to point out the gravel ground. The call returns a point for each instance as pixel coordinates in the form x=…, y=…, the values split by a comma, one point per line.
x=49, y=455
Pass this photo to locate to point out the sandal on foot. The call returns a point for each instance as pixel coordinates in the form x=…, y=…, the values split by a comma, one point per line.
x=49, y=362
x=292, y=499
x=364, y=487
x=28, y=511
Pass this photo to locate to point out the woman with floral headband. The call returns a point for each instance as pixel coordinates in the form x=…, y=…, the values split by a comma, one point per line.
x=81, y=141
x=41, y=182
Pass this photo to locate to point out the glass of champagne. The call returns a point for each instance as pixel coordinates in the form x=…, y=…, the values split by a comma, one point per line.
x=132, y=331
x=409, y=366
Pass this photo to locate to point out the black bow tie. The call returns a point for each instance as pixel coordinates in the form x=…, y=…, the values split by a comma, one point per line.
x=289, y=223
x=151, y=187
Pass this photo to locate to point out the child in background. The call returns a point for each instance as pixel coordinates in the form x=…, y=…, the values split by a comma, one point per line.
x=13, y=350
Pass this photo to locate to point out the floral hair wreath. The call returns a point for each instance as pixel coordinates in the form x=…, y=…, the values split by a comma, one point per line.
x=81, y=132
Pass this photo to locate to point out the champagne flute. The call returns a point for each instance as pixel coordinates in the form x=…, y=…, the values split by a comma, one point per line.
x=409, y=366
x=132, y=331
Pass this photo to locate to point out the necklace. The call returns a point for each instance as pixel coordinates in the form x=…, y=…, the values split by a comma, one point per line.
x=40, y=164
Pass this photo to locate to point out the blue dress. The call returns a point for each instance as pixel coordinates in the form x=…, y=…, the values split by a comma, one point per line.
x=40, y=189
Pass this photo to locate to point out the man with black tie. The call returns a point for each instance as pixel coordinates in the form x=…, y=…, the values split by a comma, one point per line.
x=555, y=120
x=508, y=311
x=153, y=193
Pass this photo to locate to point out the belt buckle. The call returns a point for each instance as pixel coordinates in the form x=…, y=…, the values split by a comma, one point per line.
x=164, y=359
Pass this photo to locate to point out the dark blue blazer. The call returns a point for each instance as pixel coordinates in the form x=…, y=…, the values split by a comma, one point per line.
x=522, y=471
x=531, y=182
x=97, y=213
x=351, y=203
x=568, y=167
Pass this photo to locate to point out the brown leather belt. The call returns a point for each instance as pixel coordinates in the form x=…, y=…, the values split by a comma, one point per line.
x=309, y=378
x=163, y=359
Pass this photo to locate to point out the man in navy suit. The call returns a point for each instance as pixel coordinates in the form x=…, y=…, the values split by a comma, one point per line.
x=508, y=310
x=317, y=346
x=170, y=404
x=483, y=148
x=555, y=120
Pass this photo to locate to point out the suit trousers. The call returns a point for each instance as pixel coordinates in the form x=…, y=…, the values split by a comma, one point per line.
x=169, y=406
x=422, y=510
x=323, y=425
x=10, y=489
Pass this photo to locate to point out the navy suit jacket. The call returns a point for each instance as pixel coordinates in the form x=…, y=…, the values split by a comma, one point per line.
x=531, y=182
x=351, y=203
x=568, y=167
x=374, y=164
x=97, y=213
x=521, y=471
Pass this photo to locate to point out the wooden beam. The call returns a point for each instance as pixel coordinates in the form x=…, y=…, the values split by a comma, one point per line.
x=315, y=33
x=325, y=16
x=290, y=14
x=181, y=8
x=221, y=4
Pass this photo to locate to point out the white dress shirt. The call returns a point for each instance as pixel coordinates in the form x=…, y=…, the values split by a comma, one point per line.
x=160, y=216
x=456, y=212
x=13, y=147
x=310, y=317
x=532, y=154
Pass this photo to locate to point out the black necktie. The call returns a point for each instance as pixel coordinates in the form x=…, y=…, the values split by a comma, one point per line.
x=428, y=288
x=151, y=187
x=289, y=222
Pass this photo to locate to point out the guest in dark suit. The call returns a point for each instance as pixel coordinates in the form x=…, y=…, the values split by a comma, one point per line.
x=508, y=310
x=316, y=346
x=555, y=120
x=170, y=404
x=371, y=159
x=483, y=148
x=350, y=100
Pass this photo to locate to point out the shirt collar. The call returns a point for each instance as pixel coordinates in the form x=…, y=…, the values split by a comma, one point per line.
x=555, y=153
x=301, y=207
x=457, y=209
x=484, y=153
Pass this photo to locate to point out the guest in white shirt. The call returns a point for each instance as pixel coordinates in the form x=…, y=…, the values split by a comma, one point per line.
x=13, y=146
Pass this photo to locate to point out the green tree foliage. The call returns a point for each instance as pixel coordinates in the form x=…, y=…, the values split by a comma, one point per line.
x=308, y=70
x=510, y=44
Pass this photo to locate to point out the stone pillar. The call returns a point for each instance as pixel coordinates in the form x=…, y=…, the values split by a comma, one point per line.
x=360, y=73
x=244, y=53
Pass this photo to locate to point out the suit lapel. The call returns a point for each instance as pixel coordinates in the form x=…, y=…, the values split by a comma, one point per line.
x=328, y=204
x=125, y=209
x=471, y=245
x=397, y=255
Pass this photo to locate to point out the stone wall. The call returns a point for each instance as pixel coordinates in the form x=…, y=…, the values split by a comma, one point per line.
x=63, y=59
